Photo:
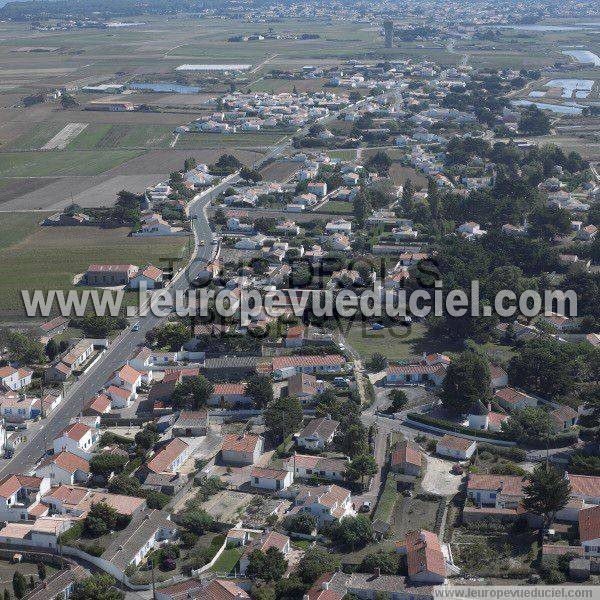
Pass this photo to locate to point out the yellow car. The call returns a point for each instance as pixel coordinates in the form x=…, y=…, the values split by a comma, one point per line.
x=201, y=243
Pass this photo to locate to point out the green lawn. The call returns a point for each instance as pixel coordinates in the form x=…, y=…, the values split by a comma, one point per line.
x=15, y=227
x=61, y=162
x=235, y=140
x=227, y=561
x=49, y=257
x=342, y=154
x=101, y=135
x=387, y=500
x=336, y=207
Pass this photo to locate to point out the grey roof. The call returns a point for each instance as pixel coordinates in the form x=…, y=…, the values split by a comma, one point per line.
x=163, y=478
x=323, y=428
x=191, y=419
x=135, y=536
x=55, y=585
x=385, y=583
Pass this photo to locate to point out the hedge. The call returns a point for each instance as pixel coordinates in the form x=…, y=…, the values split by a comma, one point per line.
x=441, y=423
x=73, y=533
x=508, y=452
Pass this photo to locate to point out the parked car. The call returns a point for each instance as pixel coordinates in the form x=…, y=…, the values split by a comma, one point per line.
x=365, y=507
x=457, y=469
x=377, y=326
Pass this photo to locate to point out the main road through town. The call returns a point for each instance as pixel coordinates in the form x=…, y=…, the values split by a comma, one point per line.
x=41, y=434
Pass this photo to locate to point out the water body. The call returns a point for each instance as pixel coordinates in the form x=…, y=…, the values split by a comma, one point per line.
x=584, y=56
x=581, y=88
x=173, y=88
x=561, y=109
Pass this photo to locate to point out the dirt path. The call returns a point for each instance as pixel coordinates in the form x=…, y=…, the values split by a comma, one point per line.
x=69, y=132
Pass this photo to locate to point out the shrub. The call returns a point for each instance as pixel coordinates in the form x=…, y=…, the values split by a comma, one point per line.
x=453, y=427
x=508, y=452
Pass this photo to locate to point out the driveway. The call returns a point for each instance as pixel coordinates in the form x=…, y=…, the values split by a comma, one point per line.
x=438, y=479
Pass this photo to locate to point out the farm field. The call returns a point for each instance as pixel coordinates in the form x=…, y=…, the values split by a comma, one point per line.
x=63, y=162
x=336, y=207
x=123, y=136
x=49, y=257
x=234, y=140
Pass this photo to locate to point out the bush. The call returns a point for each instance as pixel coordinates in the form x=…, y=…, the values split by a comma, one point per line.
x=508, y=452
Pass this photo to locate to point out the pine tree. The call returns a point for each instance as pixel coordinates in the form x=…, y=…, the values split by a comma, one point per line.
x=19, y=585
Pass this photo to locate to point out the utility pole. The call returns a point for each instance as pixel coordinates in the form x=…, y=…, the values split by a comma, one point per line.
x=153, y=581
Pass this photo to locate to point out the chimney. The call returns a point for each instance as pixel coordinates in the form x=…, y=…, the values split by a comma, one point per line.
x=490, y=406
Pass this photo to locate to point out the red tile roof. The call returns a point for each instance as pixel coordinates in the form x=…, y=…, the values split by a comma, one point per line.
x=585, y=485
x=68, y=462
x=455, y=443
x=265, y=473
x=76, y=431
x=281, y=362
x=240, y=443
x=507, y=484
x=589, y=524
x=407, y=453
x=164, y=458
x=226, y=389
x=423, y=553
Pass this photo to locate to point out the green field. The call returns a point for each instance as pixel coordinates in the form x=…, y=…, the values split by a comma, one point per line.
x=336, y=207
x=49, y=257
x=61, y=162
x=227, y=561
x=38, y=136
x=101, y=135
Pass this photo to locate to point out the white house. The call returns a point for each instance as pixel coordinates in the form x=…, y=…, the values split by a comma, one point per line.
x=326, y=503
x=65, y=468
x=286, y=366
x=77, y=438
x=16, y=408
x=243, y=449
x=270, y=479
x=151, y=277
x=513, y=399
x=317, y=434
x=455, y=447
x=339, y=226
x=170, y=457
x=20, y=497
x=470, y=230
x=306, y=466
x=14, y=379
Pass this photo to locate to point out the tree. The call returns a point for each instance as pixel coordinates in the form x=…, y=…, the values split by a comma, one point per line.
x=125, y=485
x=268, y=566
x=99, y=586
x=260, y=389
x=384, y=561
x=105, y=464
x=228, y=163
x=352, y=532
x=379, y=162
x=6, y=594
x=408, y=191
x=41, y=568
x=197, y=521
x=399, y=400
x=467, y=380
x=68, y=102
x=377, y=362
x=101, y=519
x=250, y=175
x=300, y=523
x=434, y=199
x=172, y=336
x=533, y=121
x=283, y=416
x=353, y=440
x=19, y=584
x=529, y=424
x=31, y=582
x=147, y=437
x=51, y=349
x=361, y=467
x=546, y=492
x=189, y=164
x=315, y=562
x=547, y=222
x=192, y=393
x=361, y=207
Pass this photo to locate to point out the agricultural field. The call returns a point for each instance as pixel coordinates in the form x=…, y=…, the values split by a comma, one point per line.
x=123, y=136
x=234, y=140
x=49, y=257
x=336, y=207
x=55, y=163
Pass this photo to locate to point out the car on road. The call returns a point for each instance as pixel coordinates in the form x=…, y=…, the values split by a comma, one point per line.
x=365, y=507
x=136, y=326
x=377, y=326
x=201, y=243
x=341, y=382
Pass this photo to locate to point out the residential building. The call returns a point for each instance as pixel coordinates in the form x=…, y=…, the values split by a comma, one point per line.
x=455, y=447
x=14, y=379
x=228, y=395
x=326, y=503
x=589, y=531
x=513, y=399
x=305, y=387
x=317, y=434
x=407, y=458
x=269, y=539
x=78, y=439
x=20, y=497
x=191, y=423
x=109, y=275
x=242, y=449
x=64, y=468
x=168, y=458
x=306, y=466
x=270, y=479
x=150, y=277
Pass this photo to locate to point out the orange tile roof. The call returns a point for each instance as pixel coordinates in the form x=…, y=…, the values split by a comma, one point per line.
x=164, y=458
x=265, y=473
x=68, y=462
x=585, y=485
x=424, y=553
x=128, y=374
x=76, y=431
x=407, y=453
x=589, y=524
x=240, y=443
x=226, y=389
x=507, y=484
x=456, y=443
x=281, y=362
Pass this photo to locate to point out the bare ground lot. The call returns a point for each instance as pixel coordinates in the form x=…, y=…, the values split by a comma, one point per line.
x=279, y=170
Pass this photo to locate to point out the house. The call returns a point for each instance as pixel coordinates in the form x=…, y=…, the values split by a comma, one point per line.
x=482, y=417
x=17, y=408
x=65, y=468
x=470, y=230
x=318, y=189
x=287, y=228
x=169, y=458
x=589, y=531
x=78, y=439
x=41, y=533
x=182, y=590
x=455, y=447
x=305, y=387
x=513, y=399
x=110, y=275
x=77, y=501
x=165, y=483
x=286, y=366
x=585, y=487
x=54, y=327
x=499, y=377
x=59, y=586
x=230, y=395
x=587, y=233
x=306, y=466
x=326, y=503
x=221, y=589
x=339, y=226
x=243, y=449
x=416, y=373
x=270, y=479
x=20, y=497
x=98, y=405
x=15, y=379
x=317, y=434
x=495, y=491
x=120, y=397
x=149, y=278
x=564, y=417
x=154, y=225
x=407, y=459
x=191, y=423
x=428, y=560
x=269, y=539
x=64, y=366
